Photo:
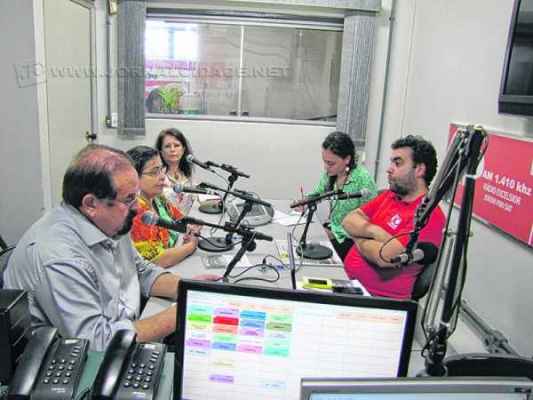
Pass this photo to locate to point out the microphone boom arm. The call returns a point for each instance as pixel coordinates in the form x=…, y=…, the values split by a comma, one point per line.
x=228, y=168
x=464, y=154
x=238, y=194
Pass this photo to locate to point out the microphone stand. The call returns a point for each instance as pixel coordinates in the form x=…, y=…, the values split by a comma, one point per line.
x=217, y=243
x=220, y=244
x=249, y=236
x=467, y=157
x=313, y=251
x=247, y=244
x=217, y=207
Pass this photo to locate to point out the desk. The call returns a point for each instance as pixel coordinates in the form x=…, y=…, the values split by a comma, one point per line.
x=193, y=265
x=94, y=359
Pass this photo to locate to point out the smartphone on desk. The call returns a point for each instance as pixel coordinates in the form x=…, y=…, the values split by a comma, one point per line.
x=317, y=283
x=348, y=290
x=346, y=287
x=129, y=370
x=50, y=367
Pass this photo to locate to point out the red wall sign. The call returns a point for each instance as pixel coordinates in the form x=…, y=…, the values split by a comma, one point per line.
x=504, y=189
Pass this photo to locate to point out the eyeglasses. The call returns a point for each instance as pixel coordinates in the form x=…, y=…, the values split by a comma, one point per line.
x=129, y=202
x=162, y=170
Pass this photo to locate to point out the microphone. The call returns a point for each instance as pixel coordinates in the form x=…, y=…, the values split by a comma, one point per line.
x=334, y=194
x=345, y=196
x=309, y=199
x=151, y=218
x=425, y=253
x=228, y=168
x=190, y=158
x=181, y=188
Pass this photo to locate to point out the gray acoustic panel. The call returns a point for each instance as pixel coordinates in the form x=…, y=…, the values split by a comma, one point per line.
x=357, y=52
x=130, y=75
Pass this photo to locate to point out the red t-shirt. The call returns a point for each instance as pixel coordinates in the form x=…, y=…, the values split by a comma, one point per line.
x=394, y=216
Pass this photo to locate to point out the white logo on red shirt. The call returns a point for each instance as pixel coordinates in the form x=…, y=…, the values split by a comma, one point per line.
x=395, y=221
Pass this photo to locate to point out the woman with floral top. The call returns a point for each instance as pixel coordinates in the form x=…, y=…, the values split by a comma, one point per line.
x=174, y=149
x=155, y=243
x=341, y=172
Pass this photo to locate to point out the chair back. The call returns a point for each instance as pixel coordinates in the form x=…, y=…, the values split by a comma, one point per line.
x=423, y=281
x=3, y=244
x=4, y=258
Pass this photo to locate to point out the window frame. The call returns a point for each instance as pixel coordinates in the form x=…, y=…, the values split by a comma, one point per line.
x=244, y=19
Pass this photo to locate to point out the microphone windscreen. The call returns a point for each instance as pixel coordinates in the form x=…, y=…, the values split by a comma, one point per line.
x=149, y=218
x=189, y=158
x=430, y=252
x=178, y=188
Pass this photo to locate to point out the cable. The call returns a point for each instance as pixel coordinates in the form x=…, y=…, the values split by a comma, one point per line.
x=275, y=258
x=380, y=252
x=211, y=243
x=245, y=270
x=256, y=278
x=297, y=223
x=299, y=247
x=215, y=244
x=464, y=261
x=429, y=342
x=84, y=394
x=457, y=303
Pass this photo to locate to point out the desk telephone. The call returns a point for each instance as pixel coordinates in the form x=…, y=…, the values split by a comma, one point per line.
x=50, y=367
x=129, y=370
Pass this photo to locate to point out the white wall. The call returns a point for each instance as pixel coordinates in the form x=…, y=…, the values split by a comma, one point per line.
x=279, y=158
x=451, y=67
x=21, y=197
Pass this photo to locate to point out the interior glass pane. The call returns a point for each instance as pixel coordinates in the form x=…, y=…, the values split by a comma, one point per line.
x=284, y=72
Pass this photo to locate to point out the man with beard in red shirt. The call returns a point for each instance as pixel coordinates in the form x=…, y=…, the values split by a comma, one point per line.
x=381, y=227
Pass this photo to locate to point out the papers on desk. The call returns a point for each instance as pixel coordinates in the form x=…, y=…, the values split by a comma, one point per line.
x=284, y=256
x=222, y=261
x=294, y=218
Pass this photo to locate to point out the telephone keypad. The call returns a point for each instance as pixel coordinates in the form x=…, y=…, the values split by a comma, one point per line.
x=146, y=360
x=61, y=373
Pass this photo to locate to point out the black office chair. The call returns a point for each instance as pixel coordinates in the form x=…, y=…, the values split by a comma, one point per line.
x=5, y=253
x=423, y=281
x=481, y=364
x=3, y=244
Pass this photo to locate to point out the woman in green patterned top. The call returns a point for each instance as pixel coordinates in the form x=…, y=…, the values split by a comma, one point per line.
x=341, y=172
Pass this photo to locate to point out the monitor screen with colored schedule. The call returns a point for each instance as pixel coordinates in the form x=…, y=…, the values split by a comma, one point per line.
x=244, y=342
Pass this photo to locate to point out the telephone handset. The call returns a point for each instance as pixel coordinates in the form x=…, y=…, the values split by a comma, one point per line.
x=129, y=369
x=50, y=367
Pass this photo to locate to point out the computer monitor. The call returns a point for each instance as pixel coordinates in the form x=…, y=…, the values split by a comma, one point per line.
x=417, y=389
x=244, y=342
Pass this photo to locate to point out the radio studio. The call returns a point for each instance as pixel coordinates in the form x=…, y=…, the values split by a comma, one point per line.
x=266, y=199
